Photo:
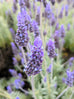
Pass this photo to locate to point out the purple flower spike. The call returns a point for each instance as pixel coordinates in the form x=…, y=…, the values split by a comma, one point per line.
x=57, y=26
x=50, y=48
x=38, y=15
x=61, y=12
x=22, y=35
x=53, y=2
x=69, y=80
x=66, y=10
x=14, y=48
x=49, y=68
x=17, y=98
x=53, y=20
x=48, y=11
x=9, y=89
x=13, y=33
x=68, y=27
x=62, y=31
x=38, y=42
x=14, y=6
x=15, y=62
x=56, y=39
x=18, y=83
x=71, y=60
x=36, y=29
x=45, y=79
x=13, y=72
x=34, y=65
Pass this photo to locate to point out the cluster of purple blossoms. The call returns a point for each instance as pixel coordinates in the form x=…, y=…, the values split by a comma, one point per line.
x=49, y=68
x=56, y=39
x=36, y=29
x=14, y=6
x=61, y=12
x=53, y=2
x=14, y=48
x=9, y=89
x=22, y=35
x=38, y=15
x=17, y=98
x=70, y=78
x=34, y=65
x=53, y=20
x=62, y=31
x=18, y=83
x=48, y=11
x=57, y=26
x=66, y=10
x=50, y=48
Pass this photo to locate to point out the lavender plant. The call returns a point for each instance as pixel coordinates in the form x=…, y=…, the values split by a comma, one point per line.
x=39, y=41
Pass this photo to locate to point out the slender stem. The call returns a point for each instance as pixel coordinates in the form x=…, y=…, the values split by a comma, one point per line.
x=62, y=93
x=26, y=92
x=23, y=55
x=51, y=69
x=33, y=88
x=71, y=95
x=43, y=41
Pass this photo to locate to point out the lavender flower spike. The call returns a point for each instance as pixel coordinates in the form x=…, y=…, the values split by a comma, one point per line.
x=22, y=35
x=50, y=48
x=34, y=65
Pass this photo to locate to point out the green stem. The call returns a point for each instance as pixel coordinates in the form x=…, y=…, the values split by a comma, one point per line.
x=62, y=93
x=33, y=87
x=51, y=69
x=23, y=55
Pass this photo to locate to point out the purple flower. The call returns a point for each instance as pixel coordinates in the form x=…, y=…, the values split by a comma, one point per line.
x=38, y=15
x=68, y=27
x=36, y=29
x=55, y=85
x=20, y=75
x=14, y=48
x=22, y=35
x=48, y=11
x=13, y=72
x=34, y=65
x=73, y=75
x=17, y=98
x=14, y=6
x=62, y=31
x=45, y=79
x=61, y=12
x=22, y=3
x=50, y=48
x=13, y=33
x=66, y=10
x=53, y=2
x=22, y=61
x=49, y=68
x=71, y=60
x=56, y=39
x=69, y=80
x=57, y=26
x=53, y=20
x=18, y=83
x=44, y=3
x=44, y=33
x=15, y=62
x=9, y=89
